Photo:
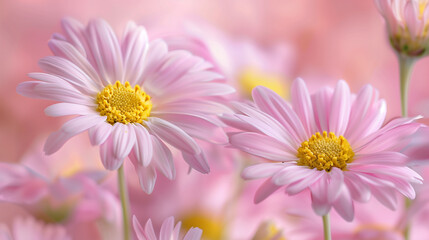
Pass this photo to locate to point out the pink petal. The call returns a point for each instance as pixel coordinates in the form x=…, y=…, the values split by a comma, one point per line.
x=143, y=148
x=263, y=122
x=196, y=126
x=262, y=146
x=124, y=138
x=292, y=173
x=386, y=158
x=192, y=105
x=109, y=160
x=262, y=170
x=60, y=91
x=70, y=73
x=320, y=207
x=66, y=50
x=359, y=190
x=265, y=190
x=197, y=161
x=71, y=128
x=99, y=133
x=135, y=46
x=344, y=205
x=147, y=176
x=150, y=233
x=193, y=234
x=138, y=229
x=367, y=114
x=64, y=109
x=272, y=104
x=163, y=157
x=321, y=102
x=105, y=50
x=154, y=59
x=301, y=185
x=173, y=135
x=74, y=32
x=167, y=228
x=340, y=109
x=386, y=196
x=301, y=103
x=388, y=137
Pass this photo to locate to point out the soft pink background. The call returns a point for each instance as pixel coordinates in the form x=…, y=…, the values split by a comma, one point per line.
x=333, y=39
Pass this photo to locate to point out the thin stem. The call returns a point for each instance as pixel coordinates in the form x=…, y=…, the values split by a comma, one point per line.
x=406, y=65
x=326, y=227
x=122, y=185
x=407, y=229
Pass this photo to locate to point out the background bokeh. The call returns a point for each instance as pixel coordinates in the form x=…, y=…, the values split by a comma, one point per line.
x=329, y=40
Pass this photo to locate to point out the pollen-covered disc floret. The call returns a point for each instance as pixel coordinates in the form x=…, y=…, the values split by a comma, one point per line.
x=325, y=151
x=124, y=104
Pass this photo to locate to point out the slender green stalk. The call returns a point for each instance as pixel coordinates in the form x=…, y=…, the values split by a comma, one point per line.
x=326, y=227
x=406, y=65
x=122, y=185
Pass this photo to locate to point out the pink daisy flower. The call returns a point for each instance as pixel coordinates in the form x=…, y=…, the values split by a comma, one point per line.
x=131, y=94
x=331, y=143
x=30, y=229
x=407, y=24
x=168, y=231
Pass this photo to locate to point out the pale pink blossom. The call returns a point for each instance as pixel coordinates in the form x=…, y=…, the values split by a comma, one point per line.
x=244, y=62
x=132, y=95
x=168, y=231
x=31, y=229
x=407, y=24
x=330, y=142
x=64, y=188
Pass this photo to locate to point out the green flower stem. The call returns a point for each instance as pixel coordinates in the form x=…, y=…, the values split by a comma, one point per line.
x=122, y=185
x=326, y=227
x=406, y=65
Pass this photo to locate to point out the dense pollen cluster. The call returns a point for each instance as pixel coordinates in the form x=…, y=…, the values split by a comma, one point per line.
x=325, y=151
x=124, y=104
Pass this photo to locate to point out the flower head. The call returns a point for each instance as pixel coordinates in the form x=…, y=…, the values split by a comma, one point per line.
x=132, y=95
x=331, y=143
x=407, y=25
x=30, y=229
x=168, y=231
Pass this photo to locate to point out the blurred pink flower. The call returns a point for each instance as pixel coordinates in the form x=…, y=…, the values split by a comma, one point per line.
x=407, y=24
x=168, y=231
x=330, y=143
x=131, y=96
x=245, y=63
x=64, y=188
x=31, y=229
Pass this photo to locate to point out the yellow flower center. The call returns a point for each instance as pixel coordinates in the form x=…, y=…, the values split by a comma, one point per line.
x=325, y=152
x=124, y=104
x=422, y=8
x=250, y=78
x=212, y=226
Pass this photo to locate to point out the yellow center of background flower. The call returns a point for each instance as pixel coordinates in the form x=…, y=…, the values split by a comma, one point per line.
x=325, y=152
x=212, y=226
x=251, y=78
x=124, y=104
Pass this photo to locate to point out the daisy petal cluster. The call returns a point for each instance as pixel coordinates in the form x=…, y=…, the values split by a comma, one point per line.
x=168, y=231
x=133, y=97
x=407, y=25
x=331, y=143
x=30, y=229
